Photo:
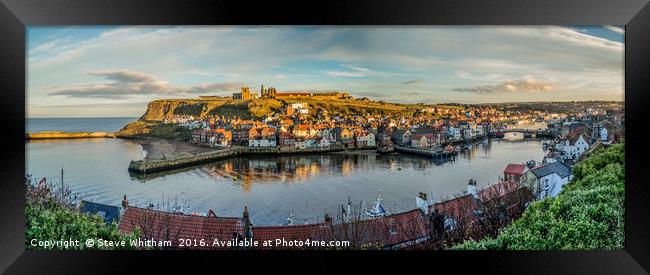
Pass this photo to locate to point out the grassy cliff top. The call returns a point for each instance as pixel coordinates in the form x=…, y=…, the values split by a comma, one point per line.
x=158, y=110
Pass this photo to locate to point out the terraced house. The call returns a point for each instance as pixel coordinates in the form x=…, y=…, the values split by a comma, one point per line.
x=262, y=137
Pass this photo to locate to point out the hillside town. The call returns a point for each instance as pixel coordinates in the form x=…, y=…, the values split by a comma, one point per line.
x=570, y=130
x=574, y=126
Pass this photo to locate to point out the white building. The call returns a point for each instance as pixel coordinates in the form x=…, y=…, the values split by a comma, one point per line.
x=474, y=131
x=270, y=142
x=367, y=140
x=300, y=107
x=573, y=148
x=547, y=180
x=604, y=135
x=481, y=130
x=421, y=143
x=323, y=132
x=454, y=132
x=324, y=143
x=301, y=144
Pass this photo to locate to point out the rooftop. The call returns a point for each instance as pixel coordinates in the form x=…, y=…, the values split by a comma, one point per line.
x=390, y=230
x=316, y=232
x=170, y=226
x=108, y=212
x=554, y=167
x=515, y=169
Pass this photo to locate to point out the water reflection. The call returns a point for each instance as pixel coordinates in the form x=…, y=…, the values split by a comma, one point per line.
x=248, y=170
x=272, y=187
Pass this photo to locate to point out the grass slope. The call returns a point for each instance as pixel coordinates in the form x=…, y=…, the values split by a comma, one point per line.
x=587, y=214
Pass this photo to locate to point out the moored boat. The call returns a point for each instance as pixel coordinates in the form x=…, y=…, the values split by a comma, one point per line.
x=377, y=211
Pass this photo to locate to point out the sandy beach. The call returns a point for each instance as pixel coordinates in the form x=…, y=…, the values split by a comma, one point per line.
x=167, y=149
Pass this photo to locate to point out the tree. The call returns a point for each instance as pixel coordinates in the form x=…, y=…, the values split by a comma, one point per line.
x=52, y=216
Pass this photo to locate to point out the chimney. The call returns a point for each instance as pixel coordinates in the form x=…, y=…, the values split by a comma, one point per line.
x=125, y=202
x=248, y=232
x=245, y=214
x=422, y=203
x=328, y=219
x=471, y=188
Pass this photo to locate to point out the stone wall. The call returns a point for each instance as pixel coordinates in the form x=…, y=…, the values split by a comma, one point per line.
x=144, y=166
x=64, y=135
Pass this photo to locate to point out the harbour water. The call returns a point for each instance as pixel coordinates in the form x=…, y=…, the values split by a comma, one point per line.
x=271, y=187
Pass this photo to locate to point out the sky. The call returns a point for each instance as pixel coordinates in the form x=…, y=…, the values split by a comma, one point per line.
x=114, y=71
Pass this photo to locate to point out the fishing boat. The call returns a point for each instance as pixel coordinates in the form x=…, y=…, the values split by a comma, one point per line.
x=450, y=149
x=531, y=163
x=377, y=211
x=385, y=149
x=289, y=220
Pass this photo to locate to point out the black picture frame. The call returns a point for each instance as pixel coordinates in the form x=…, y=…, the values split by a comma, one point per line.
x=15, y=15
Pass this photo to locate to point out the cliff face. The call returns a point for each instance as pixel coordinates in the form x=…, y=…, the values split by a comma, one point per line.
x=158, y=110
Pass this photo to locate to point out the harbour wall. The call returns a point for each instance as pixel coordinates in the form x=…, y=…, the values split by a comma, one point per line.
x=145, y=166
x=426, y=153
x=68, y=135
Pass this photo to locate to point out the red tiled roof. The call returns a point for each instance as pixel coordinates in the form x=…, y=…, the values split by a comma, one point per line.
x=163, y=226
x=497, y=190
x=313, y=232
x=304, y=127
x=515, y=169
x=388, y=231
x=461, y=208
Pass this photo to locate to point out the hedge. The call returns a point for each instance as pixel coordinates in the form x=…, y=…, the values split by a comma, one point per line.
x=588, y=214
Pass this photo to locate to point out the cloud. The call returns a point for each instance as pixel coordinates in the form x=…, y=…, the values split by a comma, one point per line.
x=512, y=86
x=372, y=95
x=216, y=87
x=355, y=59
x=412, y=82
x=409, y=93
x=358, y=71
x=124, y=84
x=124, y=76
x=345, y=74
x=615, y=29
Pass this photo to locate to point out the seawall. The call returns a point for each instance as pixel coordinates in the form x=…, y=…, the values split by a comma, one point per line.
x=67, y=135
x=145, y=166
x=426, y=153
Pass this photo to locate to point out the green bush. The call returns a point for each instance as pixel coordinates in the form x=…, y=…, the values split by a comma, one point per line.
x=195, y=109
x=587, y=214
x=170, y=131
x=51, y=221
x=232, y=110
